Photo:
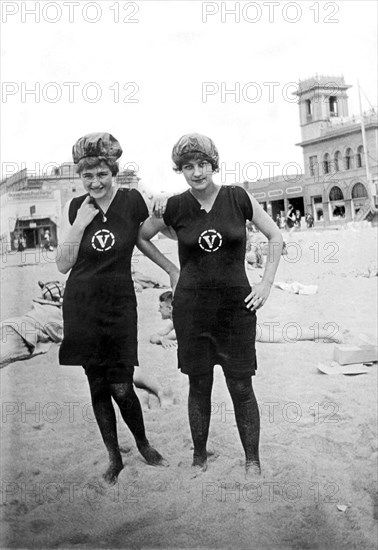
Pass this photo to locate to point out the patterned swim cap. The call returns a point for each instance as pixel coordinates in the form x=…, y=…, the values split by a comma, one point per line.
x=195, y=143
x=100, y=144
x=52, y=291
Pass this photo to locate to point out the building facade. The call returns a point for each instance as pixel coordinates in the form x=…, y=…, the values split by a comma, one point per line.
x=339, y=183
x=31, y=204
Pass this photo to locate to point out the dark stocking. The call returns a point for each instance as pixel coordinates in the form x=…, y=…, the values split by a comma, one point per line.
x=199, y=405
x=131, y=411
x=104, y=412
x=247, y=419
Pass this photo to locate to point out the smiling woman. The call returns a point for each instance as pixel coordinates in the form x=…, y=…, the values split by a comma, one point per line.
x=99, y=306
x=214, y=307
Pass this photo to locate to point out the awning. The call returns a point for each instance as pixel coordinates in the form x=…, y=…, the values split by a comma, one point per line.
x=22, y=220
x=34, y=218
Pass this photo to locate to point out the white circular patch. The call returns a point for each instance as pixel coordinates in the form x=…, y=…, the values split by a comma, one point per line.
x=103, y=240
x=210, y=240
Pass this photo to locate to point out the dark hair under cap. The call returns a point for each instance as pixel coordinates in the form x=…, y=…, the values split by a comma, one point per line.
x=195, y=144
x=99, y=144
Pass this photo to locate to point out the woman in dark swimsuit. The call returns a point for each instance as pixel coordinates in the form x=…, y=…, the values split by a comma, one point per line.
x=99, y=231
x=214, y=307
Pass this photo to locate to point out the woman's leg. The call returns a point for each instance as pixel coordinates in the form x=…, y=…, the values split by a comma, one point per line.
x=247, y=419
x=104, y=412
x=13, y=346
x=131, y=411
x=199, y=405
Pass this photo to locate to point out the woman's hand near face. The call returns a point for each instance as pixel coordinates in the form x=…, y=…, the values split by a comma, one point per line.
x=86, y=213
x=71, y=235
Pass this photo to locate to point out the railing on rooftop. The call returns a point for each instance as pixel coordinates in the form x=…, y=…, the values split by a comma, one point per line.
x=336, y=123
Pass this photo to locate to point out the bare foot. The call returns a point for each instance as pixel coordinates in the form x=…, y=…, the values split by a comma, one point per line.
x=112, y=473
x=209, y=452
x=252, y=469
x=199, y=466
x=152, y=456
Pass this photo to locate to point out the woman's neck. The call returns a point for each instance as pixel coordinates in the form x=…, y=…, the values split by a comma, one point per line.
x=205, y=194
x=105, y=202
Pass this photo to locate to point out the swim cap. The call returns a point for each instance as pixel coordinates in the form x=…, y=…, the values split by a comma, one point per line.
x=100, y=144
x=195, y=143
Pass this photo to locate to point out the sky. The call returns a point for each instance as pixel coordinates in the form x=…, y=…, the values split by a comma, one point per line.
x=150, y=71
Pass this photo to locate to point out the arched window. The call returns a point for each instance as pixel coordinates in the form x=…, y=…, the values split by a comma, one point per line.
x=337, y=161
x=348, y=159
x=359, y=157
x=336, y=194
x=336, y=203
x=326, y=164
x=359, y=191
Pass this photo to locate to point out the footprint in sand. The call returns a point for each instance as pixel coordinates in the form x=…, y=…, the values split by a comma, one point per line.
x=38, y=427
x=40, y=525
x=79, y=539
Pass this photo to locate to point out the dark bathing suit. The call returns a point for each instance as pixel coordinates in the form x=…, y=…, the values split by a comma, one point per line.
x=212, y=323
x=99, y=306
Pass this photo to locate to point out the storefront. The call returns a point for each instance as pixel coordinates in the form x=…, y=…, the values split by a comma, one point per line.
x=30, y=215
x=277, y=195
x=34, y=229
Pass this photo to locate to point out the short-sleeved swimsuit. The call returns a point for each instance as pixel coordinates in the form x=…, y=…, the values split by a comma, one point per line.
x=99, y=305
x=212, y=323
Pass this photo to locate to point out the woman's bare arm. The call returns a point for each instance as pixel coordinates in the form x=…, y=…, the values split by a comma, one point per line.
x=266, y=225
x=147, y=230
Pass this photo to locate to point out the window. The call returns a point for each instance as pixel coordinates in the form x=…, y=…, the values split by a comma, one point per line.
x=313, y=165
x=336, y=204
x=333, y=107
x=359, y=157
x=359, y=191
x=338, y=211
x=326, y=164
x=336, y=194
x=32, y=210
x=308, y=109
x=348, y=159
x=337, y=161
x=317, y=207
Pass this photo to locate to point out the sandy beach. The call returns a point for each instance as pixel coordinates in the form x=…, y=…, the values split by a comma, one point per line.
x=318, y=433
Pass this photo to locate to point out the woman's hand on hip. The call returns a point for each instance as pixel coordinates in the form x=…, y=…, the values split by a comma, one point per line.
x=258, y=296
x=174, y=275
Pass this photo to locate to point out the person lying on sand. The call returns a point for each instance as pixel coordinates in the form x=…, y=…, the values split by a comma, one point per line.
x=167, y=336
x=266, y=332
x=33, y=333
